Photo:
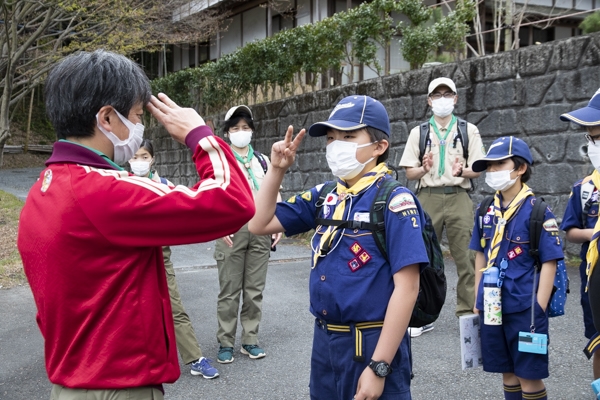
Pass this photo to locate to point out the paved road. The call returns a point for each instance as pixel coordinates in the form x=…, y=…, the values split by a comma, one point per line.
x=286, y=334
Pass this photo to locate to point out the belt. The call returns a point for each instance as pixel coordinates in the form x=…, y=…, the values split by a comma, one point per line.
x=356, y=331
x=444, y=189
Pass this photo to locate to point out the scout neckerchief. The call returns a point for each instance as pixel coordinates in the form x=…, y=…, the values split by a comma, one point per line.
x=592, y=253
x=502, y=219
x=247, y=163
x=443, y=142
x=343, y=194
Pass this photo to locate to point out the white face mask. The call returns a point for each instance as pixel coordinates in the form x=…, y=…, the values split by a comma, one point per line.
x=442, y=107
x=140, y=168
x=594, y=155
x=499, y=180
x=341, y=158
x=124, y=149
x=240, y=139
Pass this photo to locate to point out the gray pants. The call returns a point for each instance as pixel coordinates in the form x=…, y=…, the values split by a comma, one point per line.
x=141, y=393
x=242, y=271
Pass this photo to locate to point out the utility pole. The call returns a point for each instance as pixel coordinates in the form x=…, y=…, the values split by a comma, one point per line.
x=508, y=32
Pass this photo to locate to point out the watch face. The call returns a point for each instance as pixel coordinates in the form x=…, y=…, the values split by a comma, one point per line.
x=382, y=369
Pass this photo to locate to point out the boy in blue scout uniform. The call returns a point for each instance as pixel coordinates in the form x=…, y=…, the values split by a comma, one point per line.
x=501, y=239
x=579, y=227
x=362, y=301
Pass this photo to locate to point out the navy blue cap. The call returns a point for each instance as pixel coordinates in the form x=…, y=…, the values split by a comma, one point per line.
x=586, y=116
x=503, y=148
x=352, y=113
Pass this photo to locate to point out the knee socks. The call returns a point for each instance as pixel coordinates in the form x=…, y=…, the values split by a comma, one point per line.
x=541, y=395
x=512, y=392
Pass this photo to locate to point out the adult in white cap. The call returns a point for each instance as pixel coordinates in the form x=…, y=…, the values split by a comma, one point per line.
x=438, y=154
x=580, y=222
x=242, y=258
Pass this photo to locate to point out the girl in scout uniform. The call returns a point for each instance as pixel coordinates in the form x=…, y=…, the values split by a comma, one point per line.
x=501, y=240
x=361, y=300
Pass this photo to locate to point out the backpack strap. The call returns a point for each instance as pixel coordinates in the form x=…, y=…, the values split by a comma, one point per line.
x=536, y=222
x=325, y=190
x=463, y=136
x=377, y=216
x=261, y=160
x=424, y=140
x=587, y=189
x=483, y=207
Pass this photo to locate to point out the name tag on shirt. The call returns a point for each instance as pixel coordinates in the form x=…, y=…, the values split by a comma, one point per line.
x=362, y=217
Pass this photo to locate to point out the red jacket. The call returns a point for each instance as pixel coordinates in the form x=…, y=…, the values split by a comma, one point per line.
x=90, y=238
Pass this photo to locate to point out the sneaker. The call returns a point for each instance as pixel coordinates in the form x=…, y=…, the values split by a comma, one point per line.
x=415, y=332
x=253, y=351
x=225, y=355
x=204, y=368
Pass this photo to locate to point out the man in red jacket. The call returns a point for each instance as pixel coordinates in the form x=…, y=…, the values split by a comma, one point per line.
x=90, y=234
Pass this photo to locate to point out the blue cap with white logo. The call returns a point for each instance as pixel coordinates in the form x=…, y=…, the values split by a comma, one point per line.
x=586, y=116
x=503, y=148
x=352, y=113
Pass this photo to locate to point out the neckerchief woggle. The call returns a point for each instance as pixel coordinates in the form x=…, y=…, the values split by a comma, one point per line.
x=443, y=142
x=246, y=162
x=344, y=193
x=502, y=219
x=592, y=254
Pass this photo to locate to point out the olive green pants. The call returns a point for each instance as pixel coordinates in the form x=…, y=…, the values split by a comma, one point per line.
x=242, y=272
x=141, y=393
x=455, y=212
x=187, y=344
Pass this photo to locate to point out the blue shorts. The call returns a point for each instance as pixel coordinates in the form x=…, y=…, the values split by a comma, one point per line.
x=588, y=320
x=500, y=345
x=334, y=373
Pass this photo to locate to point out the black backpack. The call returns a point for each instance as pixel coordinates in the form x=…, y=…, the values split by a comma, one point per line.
x=432, y=285
x=261, y=160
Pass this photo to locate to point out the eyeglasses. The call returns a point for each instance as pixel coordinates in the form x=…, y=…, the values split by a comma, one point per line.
x=591, y=139
x=438, y=95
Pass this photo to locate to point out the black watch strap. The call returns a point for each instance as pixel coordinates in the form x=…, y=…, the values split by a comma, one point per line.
x=380, y=368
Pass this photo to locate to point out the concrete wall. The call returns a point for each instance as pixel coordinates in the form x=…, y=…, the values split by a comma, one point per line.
x=521, y=92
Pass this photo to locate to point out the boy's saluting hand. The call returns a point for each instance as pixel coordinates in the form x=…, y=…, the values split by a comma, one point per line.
x=283, y=152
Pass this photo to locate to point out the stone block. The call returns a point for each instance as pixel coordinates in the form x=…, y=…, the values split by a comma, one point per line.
x=399, y=133
x=420, y=107
x=544, y=178
x=372, y=87
x=534, y=60
x=399, y=109
x=507, y=93
x=443, y=71
x=549, y=148
x=418, y=80
x=567, y=53
x=461, y=106
x=576, y=84
x=554, y=94
x=498, y=123
x=576, y=150
x=476, y=117
x=474, y=97
x=394, y=86
x=542, y=119
x=591, y=54
x=536, y=88
x=460, y=78
x=270, y=129
x=500, y=66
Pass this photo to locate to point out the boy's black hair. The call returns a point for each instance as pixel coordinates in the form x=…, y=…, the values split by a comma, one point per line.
x=233, y=121
x=377, y=136
x=147, y=144
x=518, y=161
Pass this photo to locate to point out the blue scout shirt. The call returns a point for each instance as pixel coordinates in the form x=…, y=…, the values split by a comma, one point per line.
x=354, y=282
x=518, y=283
x=572, y=217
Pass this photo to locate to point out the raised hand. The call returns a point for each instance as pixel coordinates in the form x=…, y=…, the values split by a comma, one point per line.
x=457, y=168
x=427, y=161
x=178, y=121
x=283, y=152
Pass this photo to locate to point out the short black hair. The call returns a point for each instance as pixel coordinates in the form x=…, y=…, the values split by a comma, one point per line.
x=82, y=83
x=147, y=144
x=518, y=161
x=377, y=136
x=233, y=121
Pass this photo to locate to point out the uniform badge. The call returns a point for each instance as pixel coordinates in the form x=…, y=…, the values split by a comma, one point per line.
x=401, y=202
x=517, y=251
x=482, y=242
x=354, y=265
x=490, y=210
x=595, y=196
x=331, y=199
x=362, y=216
x=551, y=225
x=291, y=200
x=307, y=195
x=46, y=180
x=364, y=257
x=486, y=219
x=355, y=248
x=326, y=211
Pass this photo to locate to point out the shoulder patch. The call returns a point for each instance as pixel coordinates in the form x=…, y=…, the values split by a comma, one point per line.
x=46, y=180
x=401, y=202
x=291, y=200
x=307, y=195
x=551, y=225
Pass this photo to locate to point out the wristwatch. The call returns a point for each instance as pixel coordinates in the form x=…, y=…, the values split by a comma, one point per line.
x=381, y=368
